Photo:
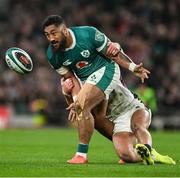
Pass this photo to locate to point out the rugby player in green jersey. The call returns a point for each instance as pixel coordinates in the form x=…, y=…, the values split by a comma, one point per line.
x=82, y=50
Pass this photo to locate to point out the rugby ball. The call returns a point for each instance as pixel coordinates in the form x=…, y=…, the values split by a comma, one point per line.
x=18, y=60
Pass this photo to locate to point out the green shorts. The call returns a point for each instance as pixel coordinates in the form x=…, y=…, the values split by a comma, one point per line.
x=106, y=78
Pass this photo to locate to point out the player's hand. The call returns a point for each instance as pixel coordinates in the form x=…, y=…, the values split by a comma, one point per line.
x=141, y=72
x=67, y=85
x=113, y=49
x=72, y=113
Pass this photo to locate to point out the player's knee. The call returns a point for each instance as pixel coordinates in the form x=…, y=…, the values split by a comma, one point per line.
x=81, y=110
x=139, y=123
x=138, y=127
x=82, y=105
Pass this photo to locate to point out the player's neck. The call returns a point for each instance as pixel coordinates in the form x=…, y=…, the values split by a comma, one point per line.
x=69, y=40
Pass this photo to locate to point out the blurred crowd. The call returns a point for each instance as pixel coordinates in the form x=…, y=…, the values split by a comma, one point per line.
x=148, y=31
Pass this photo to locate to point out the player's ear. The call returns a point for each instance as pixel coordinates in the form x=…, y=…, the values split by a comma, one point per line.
x=65, y=30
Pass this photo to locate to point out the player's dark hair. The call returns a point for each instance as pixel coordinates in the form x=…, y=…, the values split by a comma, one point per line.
x=52, y=20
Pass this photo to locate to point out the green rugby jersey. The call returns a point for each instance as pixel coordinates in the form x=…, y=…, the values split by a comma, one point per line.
x=85, y=55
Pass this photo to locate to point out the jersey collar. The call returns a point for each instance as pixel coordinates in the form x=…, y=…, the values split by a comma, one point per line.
x=74, y=40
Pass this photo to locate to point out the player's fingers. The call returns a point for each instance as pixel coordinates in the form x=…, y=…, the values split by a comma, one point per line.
x=147, y=71
x=69, y=116
x=109, y=50
x=145, y=75
x=115, y=52
x=68, y=81
x=142, y=79
x=71, y=106
x=108, y=47
x=112, y=48
x=70, y=85
x=143, y=69
x=73, y=117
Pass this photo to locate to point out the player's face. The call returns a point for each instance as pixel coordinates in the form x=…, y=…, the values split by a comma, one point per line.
x=55, y=35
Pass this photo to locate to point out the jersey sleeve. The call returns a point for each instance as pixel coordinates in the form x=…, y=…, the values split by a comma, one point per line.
x=99, y=39
x=62, y=70
x=55, y=64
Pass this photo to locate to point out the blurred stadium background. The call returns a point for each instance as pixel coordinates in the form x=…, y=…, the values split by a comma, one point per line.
x=147, y=30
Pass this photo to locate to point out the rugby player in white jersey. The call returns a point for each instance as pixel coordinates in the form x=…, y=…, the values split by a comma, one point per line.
x=131, y=119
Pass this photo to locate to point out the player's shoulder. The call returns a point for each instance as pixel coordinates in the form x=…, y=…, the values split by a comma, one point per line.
x=50, y=52
x=83, y=30
x=52, y=57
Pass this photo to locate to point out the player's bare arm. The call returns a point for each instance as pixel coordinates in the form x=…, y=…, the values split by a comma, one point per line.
x=115, y=52
x=126, y=62
x=70, y=89
x=65, y=90
x=73, y=82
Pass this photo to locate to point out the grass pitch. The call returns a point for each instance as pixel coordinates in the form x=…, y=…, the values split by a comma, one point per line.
x=43, y=153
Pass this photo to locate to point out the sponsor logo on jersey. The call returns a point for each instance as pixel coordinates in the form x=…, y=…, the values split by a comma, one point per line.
x=85, y=53
x=67, y=62
x=82, y=64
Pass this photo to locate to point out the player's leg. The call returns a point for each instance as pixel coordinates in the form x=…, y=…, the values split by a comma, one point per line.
x=109, y=79
x=85, y=129
x=102, y=124
x=88, y=97
x=97, y=87
x=140, y=121
x=124, y=139
x=124, y=146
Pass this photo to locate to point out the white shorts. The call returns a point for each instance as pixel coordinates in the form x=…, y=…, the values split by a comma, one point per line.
x=123, y=122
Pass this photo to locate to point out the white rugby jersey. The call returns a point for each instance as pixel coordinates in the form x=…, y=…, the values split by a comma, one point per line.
x=121, y=100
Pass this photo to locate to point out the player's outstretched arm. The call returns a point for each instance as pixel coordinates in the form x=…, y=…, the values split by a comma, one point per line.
x=115, y=52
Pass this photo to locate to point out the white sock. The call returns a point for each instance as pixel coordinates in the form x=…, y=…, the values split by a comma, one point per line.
x=82, y=154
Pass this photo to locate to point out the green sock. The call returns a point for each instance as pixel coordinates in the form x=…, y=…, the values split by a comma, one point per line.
x=82, y=148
